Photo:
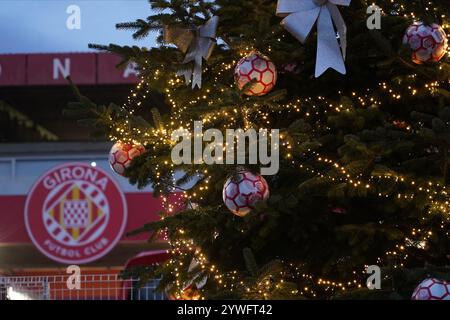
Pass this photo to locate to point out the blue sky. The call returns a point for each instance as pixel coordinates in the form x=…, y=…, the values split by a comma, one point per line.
x=30, y=26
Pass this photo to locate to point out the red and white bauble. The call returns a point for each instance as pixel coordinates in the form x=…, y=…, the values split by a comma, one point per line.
x=242, y=193
x=256, y=67
x=122, y=154
x=432, y=289
x=428, y=43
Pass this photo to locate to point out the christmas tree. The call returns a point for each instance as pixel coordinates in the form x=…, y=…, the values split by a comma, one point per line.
x=363, y=146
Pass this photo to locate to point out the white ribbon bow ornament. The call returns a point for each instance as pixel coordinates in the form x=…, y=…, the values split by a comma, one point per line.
x=197, y=43
x=300, y=18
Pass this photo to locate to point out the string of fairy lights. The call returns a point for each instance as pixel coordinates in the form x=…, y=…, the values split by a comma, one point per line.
x=345, y=176
x=182, y=248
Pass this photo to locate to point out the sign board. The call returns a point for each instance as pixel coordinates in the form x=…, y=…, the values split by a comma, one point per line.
x=75, y=213
x=52, y=69
x=13, y=69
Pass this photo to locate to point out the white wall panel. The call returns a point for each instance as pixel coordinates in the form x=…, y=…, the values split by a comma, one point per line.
x=18, y=174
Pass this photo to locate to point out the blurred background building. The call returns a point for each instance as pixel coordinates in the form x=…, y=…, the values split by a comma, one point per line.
x=37, y=52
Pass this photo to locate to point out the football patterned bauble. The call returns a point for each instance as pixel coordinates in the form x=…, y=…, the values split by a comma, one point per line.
x=257, y=67
x=121, y=155
x=428, y=43
x=242, y=193
x=432, y=289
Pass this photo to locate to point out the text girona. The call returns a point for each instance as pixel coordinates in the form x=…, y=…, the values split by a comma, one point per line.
x=74, y=173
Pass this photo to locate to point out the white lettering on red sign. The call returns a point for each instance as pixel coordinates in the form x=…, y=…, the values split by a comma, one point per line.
x=75, y=213
x=59, y=68
x=131, y=69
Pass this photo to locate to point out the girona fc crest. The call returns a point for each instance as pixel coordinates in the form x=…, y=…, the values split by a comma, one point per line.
x=75, y=214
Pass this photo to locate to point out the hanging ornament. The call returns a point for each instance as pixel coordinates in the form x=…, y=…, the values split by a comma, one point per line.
x=428, y=43
x=122, y=154
x=199, y=279
x=197, y=43
x=188, y=293
x=242, y=192
x=432, y=289
x=191, y=289
x=300, y=16
x=256, y=67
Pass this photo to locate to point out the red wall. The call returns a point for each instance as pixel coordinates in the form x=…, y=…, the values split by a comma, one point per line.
x=84, y=68
x=142, y=208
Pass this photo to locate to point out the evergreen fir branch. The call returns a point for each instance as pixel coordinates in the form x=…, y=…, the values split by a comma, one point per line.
x=157, y=120
x=143, y=28
x=24, y=121
x=344, y=196
x=250, y=262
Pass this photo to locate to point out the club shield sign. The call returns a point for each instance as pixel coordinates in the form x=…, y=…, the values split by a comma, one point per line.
x=75, y=213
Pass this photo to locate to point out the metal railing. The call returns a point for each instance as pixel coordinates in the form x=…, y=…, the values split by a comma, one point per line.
x=91, y=287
